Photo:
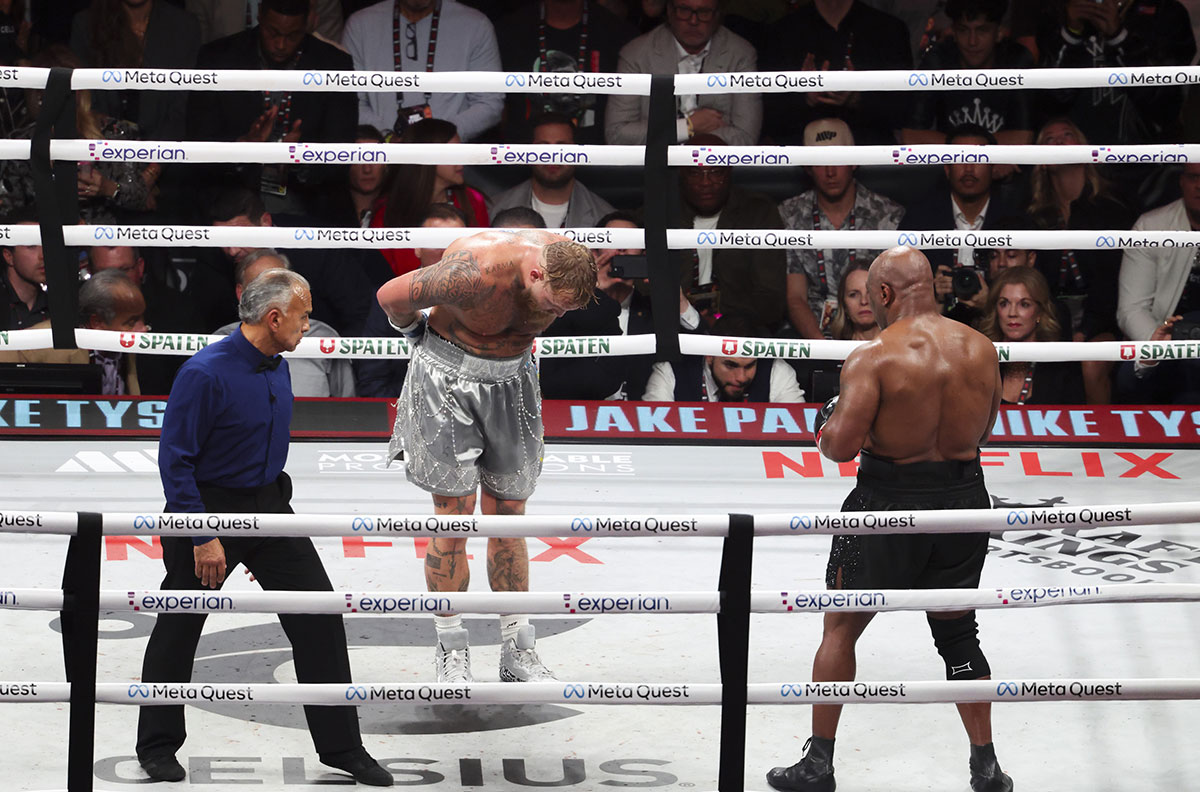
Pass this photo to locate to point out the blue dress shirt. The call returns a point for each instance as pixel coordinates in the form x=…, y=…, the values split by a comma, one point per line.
x=226, y=423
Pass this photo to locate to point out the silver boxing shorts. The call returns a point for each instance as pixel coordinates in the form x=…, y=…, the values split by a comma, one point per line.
x=464, y=420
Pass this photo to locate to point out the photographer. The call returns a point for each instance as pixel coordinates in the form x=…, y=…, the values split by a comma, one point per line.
x=969, y=205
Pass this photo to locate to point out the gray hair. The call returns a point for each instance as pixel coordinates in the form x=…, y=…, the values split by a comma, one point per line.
x=251, y=258
x=273, y=289
x=101, y=294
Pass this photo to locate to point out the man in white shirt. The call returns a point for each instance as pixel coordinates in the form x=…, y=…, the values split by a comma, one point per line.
x=424, y=36
x=552, y=190
x=727, y=379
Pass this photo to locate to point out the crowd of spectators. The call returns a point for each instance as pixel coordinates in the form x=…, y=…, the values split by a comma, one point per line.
x=1015, y=295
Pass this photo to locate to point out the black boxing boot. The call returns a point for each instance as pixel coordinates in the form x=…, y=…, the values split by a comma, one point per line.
x=813, y=773
x=986, y=775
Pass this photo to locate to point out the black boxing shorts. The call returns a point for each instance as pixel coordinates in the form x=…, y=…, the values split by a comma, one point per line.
x=911, y=561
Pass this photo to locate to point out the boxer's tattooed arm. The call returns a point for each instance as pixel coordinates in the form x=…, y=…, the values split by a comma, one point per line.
x=458, y=279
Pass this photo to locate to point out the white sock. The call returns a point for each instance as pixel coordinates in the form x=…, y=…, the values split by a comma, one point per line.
x=510, y=625
x=447, y=623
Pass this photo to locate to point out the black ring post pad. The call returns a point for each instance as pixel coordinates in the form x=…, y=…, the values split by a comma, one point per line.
x=51, y=196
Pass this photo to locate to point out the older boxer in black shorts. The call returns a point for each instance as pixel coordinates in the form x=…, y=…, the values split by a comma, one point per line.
x=917, y=402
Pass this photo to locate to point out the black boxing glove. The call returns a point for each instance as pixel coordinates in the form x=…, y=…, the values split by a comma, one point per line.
x=823, y=416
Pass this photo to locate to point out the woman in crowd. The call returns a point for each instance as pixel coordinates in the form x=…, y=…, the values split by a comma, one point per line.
x=415, y=187
x=854, y=320
x=108, y=191
x=1020, y=309
x=1076, y=197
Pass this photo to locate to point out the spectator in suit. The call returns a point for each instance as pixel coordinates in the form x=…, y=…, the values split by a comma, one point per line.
x=23, y=285
x=552, y=190
x=383, y=377
x=750, y=283
x=691, y=41
x=967, y=205
x=279, y=41
x=108, y=300
x=311, y=377
x=714, y=378
x=1159, y=288
x=465, y=41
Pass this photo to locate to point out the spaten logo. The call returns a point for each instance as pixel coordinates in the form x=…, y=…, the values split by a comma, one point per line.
x=729, y=347
x=328, y=345
x=1128, y=352
x=128, y=340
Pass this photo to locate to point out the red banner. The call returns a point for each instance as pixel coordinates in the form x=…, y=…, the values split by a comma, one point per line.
x=791, y=423
x=613, y=421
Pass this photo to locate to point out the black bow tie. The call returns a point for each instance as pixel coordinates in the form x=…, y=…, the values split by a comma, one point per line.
x=266, y=364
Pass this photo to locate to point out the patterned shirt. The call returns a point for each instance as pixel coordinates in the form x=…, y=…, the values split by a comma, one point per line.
x=872, y=212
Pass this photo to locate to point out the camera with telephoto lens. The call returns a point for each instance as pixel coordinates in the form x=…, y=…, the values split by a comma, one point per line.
x=965, y=283
x=1185, y=331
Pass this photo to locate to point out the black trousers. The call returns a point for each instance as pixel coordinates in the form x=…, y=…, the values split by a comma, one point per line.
x=279, y=564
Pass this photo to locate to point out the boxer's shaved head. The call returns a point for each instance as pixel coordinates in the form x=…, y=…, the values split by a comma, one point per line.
x=900, y=276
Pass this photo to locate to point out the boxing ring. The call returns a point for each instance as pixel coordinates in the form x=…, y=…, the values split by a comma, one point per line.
x=683, y=601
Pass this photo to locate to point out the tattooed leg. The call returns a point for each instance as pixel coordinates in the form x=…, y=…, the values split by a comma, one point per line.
x=446, y=559
x=508, y=559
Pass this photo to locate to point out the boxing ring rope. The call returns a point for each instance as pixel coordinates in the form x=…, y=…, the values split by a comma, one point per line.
x=320, y=237
x=354, y=347
x=551, y=603
x=621, y=693
x=737, y=601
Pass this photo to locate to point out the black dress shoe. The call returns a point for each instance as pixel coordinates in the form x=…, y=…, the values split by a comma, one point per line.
x=358, y=763
x=163, y=768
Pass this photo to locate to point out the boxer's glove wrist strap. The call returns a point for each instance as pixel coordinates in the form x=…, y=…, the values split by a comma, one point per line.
x=411, y=331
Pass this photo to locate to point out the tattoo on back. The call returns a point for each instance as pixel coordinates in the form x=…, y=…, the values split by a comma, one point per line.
x=458, y=279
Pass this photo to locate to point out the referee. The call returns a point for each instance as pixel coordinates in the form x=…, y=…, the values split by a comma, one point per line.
x=223, y=447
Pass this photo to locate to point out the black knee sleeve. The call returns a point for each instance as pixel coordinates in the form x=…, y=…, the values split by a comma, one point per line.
x=957, y=641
